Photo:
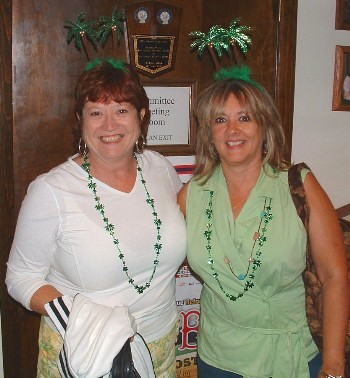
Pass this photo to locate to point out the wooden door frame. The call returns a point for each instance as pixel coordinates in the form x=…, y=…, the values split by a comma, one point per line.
x=285, y=66
x=9, y=332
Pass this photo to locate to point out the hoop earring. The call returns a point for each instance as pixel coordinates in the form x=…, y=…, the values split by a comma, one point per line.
x=139, y=147
x=82, y=147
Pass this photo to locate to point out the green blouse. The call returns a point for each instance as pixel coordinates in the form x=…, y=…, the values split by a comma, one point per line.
x=264, y=332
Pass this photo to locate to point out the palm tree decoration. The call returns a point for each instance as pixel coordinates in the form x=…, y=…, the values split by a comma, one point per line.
x=214, y=41
x=237, y=37
x=82, y=31
x=111, y=25
x=220, y=40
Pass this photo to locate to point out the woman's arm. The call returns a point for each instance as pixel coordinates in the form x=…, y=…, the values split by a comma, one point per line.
x=331, y=264
x=182, y=198
x=32, y=249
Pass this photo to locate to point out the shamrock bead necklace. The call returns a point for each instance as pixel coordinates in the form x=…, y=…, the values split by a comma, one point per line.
x=109, y=227
x=260, y=239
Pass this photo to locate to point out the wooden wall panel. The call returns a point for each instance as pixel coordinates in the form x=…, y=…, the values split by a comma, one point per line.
x=285, y=67
x=45, y=72
x=9, y=330
x=262, y=17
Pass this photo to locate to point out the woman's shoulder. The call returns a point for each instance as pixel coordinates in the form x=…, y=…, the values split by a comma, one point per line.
x=297, y=172
x=58, y=174
x=160, y=168
x=288, y=172
x=153, y=160
x=152, y=156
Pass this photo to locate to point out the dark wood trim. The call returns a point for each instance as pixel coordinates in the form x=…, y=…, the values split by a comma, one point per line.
x=343, y=211
x=340, y=72
x=340, y=22
x=285, y=66
x=9, y=329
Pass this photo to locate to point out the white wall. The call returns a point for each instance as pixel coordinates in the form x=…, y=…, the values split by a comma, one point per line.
x=321, y=137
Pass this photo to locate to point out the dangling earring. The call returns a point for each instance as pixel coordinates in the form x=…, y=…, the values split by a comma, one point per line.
x=264, y=148
x=82, y=147
x=139, y=147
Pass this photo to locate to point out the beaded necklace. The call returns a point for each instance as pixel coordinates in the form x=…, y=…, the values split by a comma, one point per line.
x=260, y=239
x=109, y=227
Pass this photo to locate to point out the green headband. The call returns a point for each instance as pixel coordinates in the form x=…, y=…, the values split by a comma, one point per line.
x=238, y=73
x=116, y=63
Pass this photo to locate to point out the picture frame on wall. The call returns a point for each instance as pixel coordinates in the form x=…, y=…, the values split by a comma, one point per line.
x=341, y=84
x=172, y=128
x=342, y=15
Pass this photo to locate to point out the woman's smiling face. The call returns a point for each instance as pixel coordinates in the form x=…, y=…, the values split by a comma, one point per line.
x=238, y=139
x=110, y=130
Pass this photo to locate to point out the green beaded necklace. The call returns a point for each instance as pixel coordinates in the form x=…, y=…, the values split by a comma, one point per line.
x=260, y=239
x=109, y=227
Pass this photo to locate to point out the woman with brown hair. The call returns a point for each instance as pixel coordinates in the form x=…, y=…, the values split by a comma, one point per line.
x=248, y=244
x=105, y=225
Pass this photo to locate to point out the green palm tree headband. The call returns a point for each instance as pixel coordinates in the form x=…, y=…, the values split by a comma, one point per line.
x=116, y=63
x=238, y=73
x=232, y=41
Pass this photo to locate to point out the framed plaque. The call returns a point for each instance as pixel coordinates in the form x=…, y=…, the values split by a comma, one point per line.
x=153, y=32
x=171, y=130
x=153, y=54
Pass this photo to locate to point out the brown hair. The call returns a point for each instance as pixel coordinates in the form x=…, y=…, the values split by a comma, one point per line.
x=259, y=105
x=105, y=83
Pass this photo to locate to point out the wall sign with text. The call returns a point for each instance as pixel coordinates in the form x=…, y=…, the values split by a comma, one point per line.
x=171, y=126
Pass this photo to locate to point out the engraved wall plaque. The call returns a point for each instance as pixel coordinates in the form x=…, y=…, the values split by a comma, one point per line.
x=153, y=30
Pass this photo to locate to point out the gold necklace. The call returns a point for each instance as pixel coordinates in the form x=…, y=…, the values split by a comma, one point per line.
x=242, y=201
x=234, y=207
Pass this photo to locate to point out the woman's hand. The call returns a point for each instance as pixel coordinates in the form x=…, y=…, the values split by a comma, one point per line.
x=42, y=296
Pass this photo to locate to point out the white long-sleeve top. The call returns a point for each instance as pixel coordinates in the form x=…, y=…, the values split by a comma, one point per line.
x=61, y=240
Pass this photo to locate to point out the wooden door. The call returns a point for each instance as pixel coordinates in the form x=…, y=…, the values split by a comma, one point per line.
x=36, y=104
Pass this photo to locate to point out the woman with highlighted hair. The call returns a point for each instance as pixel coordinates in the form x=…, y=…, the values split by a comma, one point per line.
x=101, y=236
x=248, y=244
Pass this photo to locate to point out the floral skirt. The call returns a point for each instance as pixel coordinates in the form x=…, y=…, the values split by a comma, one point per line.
x=50, y=343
